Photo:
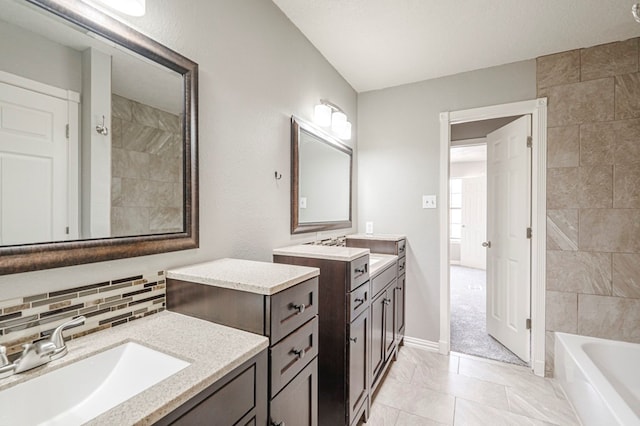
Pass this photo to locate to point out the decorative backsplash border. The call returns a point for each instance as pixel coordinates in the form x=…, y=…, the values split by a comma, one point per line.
x=105, y=304
x=337, y=241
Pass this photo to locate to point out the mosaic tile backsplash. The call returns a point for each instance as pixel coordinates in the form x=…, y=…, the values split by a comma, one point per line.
x=104, y=304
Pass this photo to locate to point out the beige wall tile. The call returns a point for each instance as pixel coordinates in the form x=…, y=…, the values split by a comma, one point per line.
x=116, y=191
x=614, y=318
x=165, y=219
x=580, y=102
x=561, y=311
x=579, y=272
x=597, y=143
x=165, y=169
x=595, y=187
x=121, y=107
x=609, y=230
x=627, y=91
x=136, y=192
x=116, y=132
x=610, y=59
x=626, y=275
x=560, y=68
x=549, y=353
x=145, y=115
x=626, y=190
x=129, y=164
x=627, y=147
x=129, y=221
x=562, y=229
x=562, y=188
x=563, y=146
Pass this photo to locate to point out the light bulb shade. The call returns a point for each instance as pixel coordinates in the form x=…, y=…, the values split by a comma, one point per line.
x=338, y=122
x=130, y=7
x=322, y=115
x=346, y=132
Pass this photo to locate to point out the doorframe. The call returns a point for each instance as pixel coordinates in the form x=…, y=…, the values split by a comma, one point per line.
x=538, y=110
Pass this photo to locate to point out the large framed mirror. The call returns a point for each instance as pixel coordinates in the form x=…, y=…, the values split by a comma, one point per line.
x=98, y=139
x=321, y=180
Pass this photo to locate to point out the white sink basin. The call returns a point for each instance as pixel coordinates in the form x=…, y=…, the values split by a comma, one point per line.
x=79, y=392
x=374, y=260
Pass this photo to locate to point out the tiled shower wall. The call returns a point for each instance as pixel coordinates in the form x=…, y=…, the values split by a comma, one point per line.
x=104, y=304
x=593, y=191
x=146, y=169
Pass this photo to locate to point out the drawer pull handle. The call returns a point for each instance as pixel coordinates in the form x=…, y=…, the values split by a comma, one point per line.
x=353, y=339
x=298, y=352
x=399, y=288
x=386, y=301
x=277, y=424
x=360, y=301
x=361, y=270
x=401, y=249
x=300, y=308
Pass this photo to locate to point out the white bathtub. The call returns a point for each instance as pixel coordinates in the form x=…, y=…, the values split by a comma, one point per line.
x=600, y=377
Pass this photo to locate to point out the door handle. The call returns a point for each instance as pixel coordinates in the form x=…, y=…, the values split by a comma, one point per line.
x=486, y=244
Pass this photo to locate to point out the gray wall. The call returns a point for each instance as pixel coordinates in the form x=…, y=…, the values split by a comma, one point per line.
x=256, y=70
x=398, y=162
x=29, y=55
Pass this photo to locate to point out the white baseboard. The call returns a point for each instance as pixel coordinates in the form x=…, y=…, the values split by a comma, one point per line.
x=421, y=344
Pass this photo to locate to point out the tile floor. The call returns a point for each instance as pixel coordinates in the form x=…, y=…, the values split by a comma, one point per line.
x=426, y=388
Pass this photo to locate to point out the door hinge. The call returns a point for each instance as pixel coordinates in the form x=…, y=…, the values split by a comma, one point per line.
x=529, y=233
x=528, y=323
x=529, y=141
x=66, y=131
x=67, y=230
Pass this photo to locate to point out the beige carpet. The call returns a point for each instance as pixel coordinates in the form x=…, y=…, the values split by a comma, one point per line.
x=468, y=317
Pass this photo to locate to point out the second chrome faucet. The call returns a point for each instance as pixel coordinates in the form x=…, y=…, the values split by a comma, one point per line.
x=38, y=353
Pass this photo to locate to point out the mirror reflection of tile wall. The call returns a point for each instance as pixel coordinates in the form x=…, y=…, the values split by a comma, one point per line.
x=146, y=170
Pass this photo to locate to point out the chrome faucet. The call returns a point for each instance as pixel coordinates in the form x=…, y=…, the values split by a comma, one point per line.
x=38, y=353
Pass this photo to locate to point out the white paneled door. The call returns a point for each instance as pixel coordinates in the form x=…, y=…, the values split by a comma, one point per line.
x=33, y=167
x=474, y=222
x=509, y=252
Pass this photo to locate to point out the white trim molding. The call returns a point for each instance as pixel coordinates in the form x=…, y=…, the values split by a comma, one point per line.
x=36, y=86
x=538, y=110
x=414, y=342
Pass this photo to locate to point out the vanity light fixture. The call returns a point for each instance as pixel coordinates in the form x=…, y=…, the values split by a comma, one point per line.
x=328, y=114
x=635, y=11
x=130, y=7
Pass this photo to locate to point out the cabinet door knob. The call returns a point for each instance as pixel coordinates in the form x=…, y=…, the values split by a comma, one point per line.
x=298, y=352
x=486, y=244
x=353, y=339
x=277, y=424
x=398, y=288
x=386, y=301
x=300, y=308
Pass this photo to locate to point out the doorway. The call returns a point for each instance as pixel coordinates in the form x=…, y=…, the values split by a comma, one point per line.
x=469, y=211
x=499, y=265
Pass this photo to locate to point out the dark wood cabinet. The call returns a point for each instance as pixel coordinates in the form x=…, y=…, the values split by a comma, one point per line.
x=288, y=318
x=344, y=326
x=400, y=306
x=239, y=398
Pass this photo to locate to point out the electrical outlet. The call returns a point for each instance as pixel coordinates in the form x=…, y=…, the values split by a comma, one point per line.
x=369, y=227
x=428, y=201
x=303, y=202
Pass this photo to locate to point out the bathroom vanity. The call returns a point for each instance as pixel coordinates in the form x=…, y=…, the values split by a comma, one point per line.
x=276, y=301
x=344, y=301
x=391, y=244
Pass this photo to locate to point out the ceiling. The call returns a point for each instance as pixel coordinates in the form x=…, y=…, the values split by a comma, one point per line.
x=382, y=43
x=471, y=153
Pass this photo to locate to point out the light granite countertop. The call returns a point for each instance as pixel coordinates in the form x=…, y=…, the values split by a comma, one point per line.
x=381, y=237
x=346, y=254
x=211, y=349
x=380, y=262
x=245, y=275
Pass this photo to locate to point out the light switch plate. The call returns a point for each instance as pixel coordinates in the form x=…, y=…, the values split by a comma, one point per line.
x=303, y=202
x=428, y=201
x=369, y=227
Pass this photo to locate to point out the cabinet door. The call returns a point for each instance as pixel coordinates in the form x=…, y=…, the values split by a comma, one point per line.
x=400, y=304
x=358, y=377
x=390, y=319
x=297, y=403
x=377, y=334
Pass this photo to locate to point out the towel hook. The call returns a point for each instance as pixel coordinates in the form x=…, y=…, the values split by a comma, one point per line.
x=278, y=176
x=102, y=129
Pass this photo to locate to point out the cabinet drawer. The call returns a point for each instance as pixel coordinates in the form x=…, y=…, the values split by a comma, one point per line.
x=359, y=300
x=359, y=272
x=291, y=308
x=291, y=355
x=401, y=266
x=380, y=281
x=402, y=248
x=297, y=404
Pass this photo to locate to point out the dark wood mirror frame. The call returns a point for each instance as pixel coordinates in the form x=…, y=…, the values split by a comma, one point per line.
x=31, y=257
x=296, y=226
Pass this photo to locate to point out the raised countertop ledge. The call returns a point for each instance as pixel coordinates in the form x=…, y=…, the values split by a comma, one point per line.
x=380, y=262
x=381, y=237
x=346, y=254
x=211, y=349
x=245, y=275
